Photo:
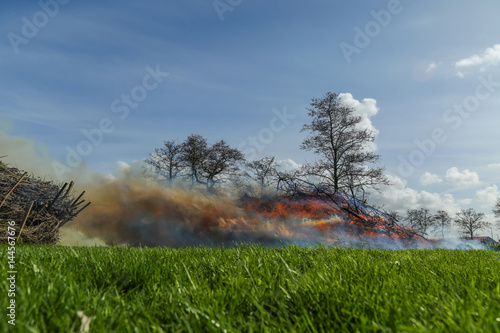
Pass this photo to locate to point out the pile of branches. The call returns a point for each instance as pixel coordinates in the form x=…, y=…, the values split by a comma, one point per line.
x=38, y=207
x=320, y=202
x=368, y=216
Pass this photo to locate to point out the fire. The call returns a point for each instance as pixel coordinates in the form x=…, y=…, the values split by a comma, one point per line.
x=134, y=213
x=290, y=209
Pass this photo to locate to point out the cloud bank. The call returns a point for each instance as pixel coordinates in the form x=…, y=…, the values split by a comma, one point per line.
x=490, y=57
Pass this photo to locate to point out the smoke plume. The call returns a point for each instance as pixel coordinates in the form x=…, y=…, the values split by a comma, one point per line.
x=25, y=154
x=133, y=212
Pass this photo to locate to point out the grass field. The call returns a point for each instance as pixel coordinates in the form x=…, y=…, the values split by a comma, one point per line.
x=253, y=289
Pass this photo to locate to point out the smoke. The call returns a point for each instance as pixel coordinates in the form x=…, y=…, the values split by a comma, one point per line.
x=126, y=209
x=69, y=236
x=133, y=212
x=460, y=244
x=25, y=154
x=129, y=210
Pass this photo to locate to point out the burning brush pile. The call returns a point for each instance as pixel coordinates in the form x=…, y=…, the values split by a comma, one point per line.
x=130, y=212
x=335, y=219
x=38, y=207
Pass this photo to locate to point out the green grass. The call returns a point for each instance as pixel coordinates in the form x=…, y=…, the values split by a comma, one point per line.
x=254, y=289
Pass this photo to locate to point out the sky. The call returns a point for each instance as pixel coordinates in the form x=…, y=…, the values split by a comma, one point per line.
x=101, y=84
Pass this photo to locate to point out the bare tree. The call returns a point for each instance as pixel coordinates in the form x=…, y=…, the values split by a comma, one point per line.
x=290, y=182
x=442, y=222
x=166, y=161
x=496, y=209
x=196, y=160
x=496, y=212
x=262, y=171
x=419, y=219
x=469, y=221
x=194, y=152
x=411, y=219
x=220, y=160
x=393, y=216
x=336, y=136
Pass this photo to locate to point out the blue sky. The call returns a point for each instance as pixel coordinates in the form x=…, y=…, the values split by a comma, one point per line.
x=229, y=77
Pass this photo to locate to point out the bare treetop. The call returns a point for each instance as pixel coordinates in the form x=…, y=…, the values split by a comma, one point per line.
x=195, y=160
x=342, y=145
x=220, y=159
x=496, y=209
x=496, y=212
x=194, y=151
x=166, y=161
x=262, y=171
x=469, y=221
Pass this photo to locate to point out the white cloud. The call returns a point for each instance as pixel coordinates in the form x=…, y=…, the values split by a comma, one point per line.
x=430, y=178
x=490, y=57
x=125, y=170
x=122, y=166
x=287, y=165
x=366, y=108
x=432, y=66
x=462, y=179
x=424, y=71
x=465, y=202
x=494, y=165
x=400, y=197
x=487, y=197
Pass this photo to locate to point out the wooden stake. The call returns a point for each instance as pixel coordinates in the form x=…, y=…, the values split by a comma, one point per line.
x=12, y=189
x=56, y=197
x=69, y=189
x=78, y=212
x=25, y=219
x=76, y=200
